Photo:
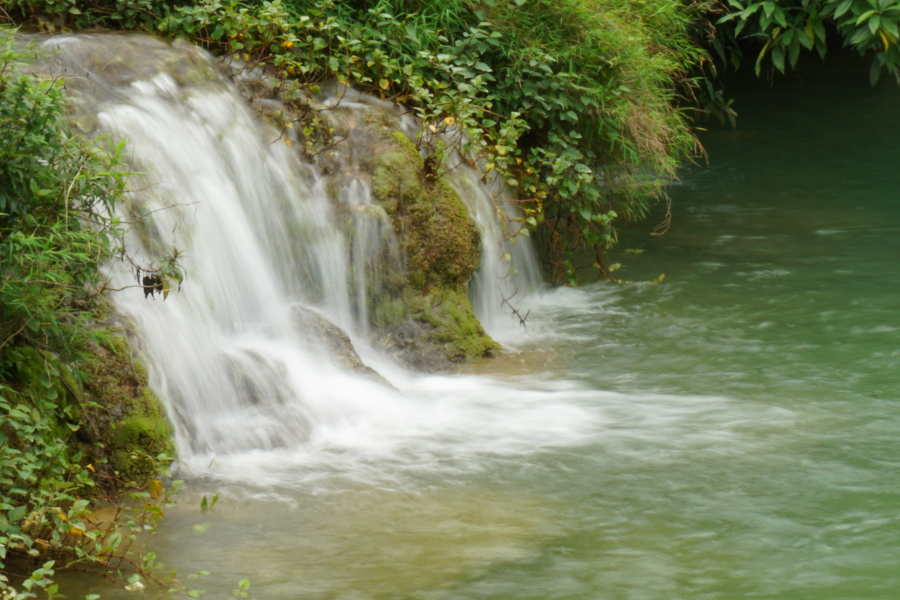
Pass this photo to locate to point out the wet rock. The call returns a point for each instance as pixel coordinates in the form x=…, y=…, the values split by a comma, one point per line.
x=317, y=329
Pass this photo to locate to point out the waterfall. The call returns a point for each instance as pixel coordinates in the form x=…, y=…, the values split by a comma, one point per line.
x=261, y=243
x=508, y=270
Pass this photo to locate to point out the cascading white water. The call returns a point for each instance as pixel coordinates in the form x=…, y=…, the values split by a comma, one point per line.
x=508, y=270
x=259, y=237
x=373, y=238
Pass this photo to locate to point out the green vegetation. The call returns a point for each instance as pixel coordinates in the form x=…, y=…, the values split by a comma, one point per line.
x=784, y=28
x=572, y=102
x=576, y=104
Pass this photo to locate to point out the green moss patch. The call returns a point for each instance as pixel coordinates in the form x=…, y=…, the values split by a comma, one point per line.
x=128, y=417
x=441, y=247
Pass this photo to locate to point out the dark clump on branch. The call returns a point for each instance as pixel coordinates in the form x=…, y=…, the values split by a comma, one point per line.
x=152, y=283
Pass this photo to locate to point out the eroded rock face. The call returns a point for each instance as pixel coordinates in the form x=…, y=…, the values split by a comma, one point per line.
x=422, y=315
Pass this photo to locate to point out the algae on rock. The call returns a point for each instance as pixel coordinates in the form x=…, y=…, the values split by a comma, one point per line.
x=132, y=419
x=419, y=312
x=441, y=245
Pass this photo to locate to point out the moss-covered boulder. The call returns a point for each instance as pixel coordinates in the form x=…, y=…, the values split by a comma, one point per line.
x=439, y=239
x=126, y=415
x=430, y=322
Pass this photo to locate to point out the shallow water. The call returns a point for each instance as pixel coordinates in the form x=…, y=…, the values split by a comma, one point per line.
x=730, y=433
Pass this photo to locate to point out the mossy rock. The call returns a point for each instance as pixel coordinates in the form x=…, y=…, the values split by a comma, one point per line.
x=418, y=310
x=131, y=421
x=441, y=246
x=439, y=239
x=135, y=445
x=119, y=425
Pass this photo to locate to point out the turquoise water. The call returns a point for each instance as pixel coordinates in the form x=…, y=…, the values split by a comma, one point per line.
x=730, y=433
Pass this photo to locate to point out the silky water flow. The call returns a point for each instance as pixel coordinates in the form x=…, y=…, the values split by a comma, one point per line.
x=258, y=238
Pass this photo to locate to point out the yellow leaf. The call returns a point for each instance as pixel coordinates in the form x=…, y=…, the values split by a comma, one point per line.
x=156, y=489
x=91, y=467
x=60, y=514
x=385, y=84
x=450, y=121
x=165, y=288
x=884, y=39
x=287, y=142
x=76, y=531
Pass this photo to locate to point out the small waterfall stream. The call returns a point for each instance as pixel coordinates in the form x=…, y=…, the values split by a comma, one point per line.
x=260, y=239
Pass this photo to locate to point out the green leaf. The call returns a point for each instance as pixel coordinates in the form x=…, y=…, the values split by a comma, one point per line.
x=875, y=72
x=114, y=540
x=864, y=16
x=46, y=381
x=780, y=17
x=759, y=59
x=842, y=8
x=804, y=39
x=819, y=28
x=778, y=58
x=874, y=23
